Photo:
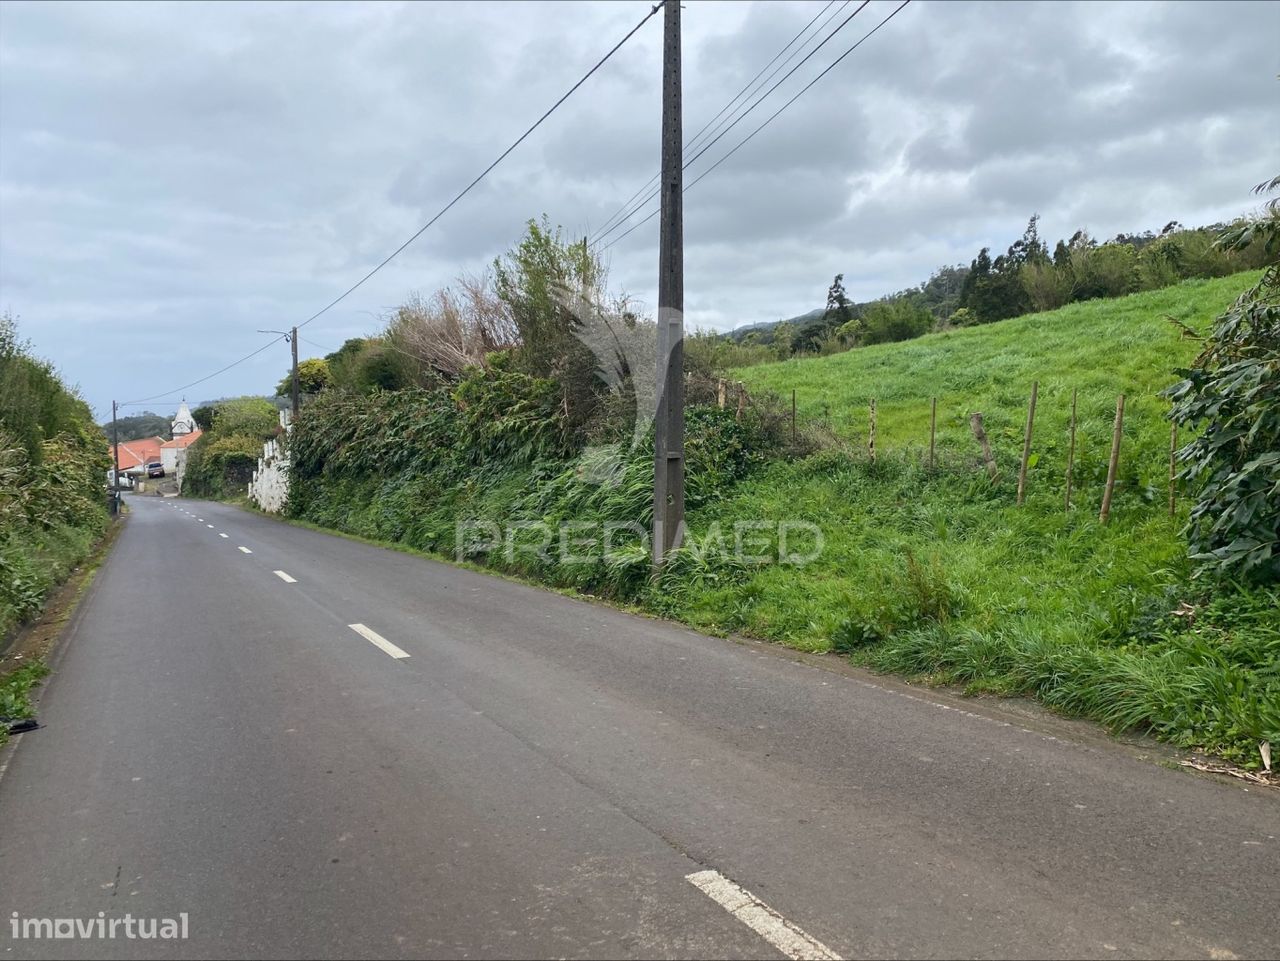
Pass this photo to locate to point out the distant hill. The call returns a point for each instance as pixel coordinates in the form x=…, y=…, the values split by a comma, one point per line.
x=738, y=333
x=138, y=426
x=940, y=295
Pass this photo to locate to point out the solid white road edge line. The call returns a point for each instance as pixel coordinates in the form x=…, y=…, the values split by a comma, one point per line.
x=760, y=918
x=377, y=640
x=284, y=577
x=13, y=746
x=245, y=550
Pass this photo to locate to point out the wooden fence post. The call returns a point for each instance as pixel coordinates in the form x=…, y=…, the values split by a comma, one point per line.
x=933, y=432
x=871, y=436
x=1071, y=451
x=720, y=393
x=1173, y=469
x=742, y=400
x=975, y=421
x=1026, y=443
x=1105, y=514
x=793, y=416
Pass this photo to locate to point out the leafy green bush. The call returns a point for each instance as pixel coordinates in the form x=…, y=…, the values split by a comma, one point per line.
x=53, y=464
x=505, y=414
x=222, y=461
x=1231, y=397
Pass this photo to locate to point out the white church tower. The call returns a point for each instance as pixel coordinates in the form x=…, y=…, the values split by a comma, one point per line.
x=183, y=422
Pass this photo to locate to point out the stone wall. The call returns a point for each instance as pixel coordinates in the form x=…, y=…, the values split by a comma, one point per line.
x=269, y=487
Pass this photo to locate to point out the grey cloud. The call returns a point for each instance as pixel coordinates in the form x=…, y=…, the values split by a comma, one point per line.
x=174, y=176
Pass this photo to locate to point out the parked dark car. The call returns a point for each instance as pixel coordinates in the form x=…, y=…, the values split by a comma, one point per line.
x=155, y=469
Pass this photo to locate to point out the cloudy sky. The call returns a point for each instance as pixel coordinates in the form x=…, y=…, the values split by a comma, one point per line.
x=174, y=177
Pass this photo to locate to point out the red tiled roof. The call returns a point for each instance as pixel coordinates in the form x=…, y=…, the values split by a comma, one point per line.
x=183, y=440
x=139, y=453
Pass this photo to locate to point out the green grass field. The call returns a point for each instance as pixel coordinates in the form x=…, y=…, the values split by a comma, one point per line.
x=1099, y=348
x=940, y=573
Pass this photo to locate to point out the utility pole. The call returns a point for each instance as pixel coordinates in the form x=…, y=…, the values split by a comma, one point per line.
x=291, y=338
x=668, y=436
x=115, y=456
x=293, y=342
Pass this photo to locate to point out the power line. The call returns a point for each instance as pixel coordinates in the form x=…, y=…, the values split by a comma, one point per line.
x=179, y=390
x=742, y=116
x=327, y=350
x=484, y=173
x=771, y=118
x=622, y=211
x=443, y=210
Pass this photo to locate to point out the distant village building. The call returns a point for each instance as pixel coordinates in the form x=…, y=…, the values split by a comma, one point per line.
x=172, y=450
x=183, y=422
x=134, y=455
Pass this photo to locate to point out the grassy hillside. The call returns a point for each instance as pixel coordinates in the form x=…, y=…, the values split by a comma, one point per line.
x=941, y=573
x=1099, y=348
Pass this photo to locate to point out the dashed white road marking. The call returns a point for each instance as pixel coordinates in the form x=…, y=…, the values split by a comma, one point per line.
x=208, y=525
x=760, y=918
x=377, y=640
x=220, y=534
x=284, y=577
x=245, y=550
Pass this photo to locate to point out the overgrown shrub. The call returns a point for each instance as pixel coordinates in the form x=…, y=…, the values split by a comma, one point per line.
x=222, y=461
x=1231, y=397
x=53, y=464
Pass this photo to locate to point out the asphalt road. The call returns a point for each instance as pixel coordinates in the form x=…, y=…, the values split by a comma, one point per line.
x=540, y=776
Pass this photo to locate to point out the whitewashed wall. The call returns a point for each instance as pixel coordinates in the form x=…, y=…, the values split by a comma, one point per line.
x=270, y=485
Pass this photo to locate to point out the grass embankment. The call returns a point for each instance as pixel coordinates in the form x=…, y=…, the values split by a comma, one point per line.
x=35, y=561
x=53, y=461
x=942, y=574
x=937, y=572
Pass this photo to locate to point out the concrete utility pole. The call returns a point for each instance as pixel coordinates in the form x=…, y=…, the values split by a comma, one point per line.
x=293, y=342
x=291, y=338
x=115, y=455
x=668, y=437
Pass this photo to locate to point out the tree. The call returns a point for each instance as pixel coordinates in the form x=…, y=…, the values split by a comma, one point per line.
x=1231, y=397
x=1062, y=256
x=531, y=281
x=313, y=377
x=1110, y=270
x=247, y=416
x=1048, y=286
x=894, y=319
x=979, y=273
x=783, y=340
x=837, y=312
x=994, y=290
x=940, y=294
x=554, y=294
x=203, y=416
